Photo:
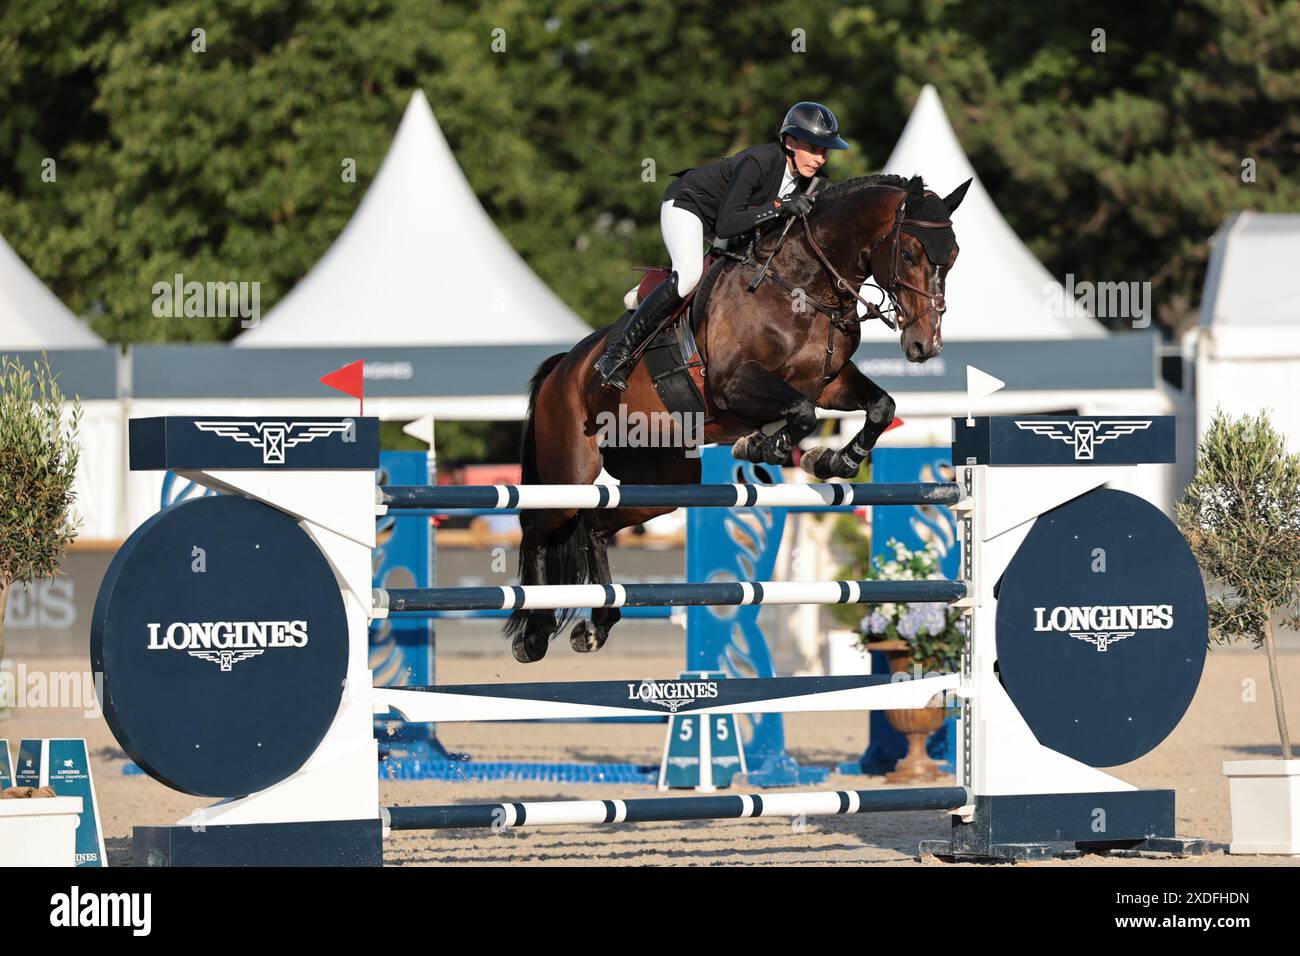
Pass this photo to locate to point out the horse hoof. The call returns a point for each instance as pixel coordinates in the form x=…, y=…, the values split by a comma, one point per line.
x=747, y=449
x=529, y=648
x=584, y=638
x=817, y=463
x=776, y=453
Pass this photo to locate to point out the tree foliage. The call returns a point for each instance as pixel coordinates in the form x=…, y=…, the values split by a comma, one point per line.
x=226, y=163
x=1241, y=515
x=38, y=463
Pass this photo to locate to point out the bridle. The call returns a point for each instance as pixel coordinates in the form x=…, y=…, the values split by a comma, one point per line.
x=893, y=281
x=846, y=291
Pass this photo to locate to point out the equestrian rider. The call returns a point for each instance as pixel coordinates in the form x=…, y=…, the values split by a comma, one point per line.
x=725, y=199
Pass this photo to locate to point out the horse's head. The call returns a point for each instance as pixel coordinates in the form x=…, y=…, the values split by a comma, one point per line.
x=910, y=262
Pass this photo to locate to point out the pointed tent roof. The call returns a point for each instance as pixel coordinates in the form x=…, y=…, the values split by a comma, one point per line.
x=998, y=289
x=420, y=263
x=33, y=317
x=1250, y=279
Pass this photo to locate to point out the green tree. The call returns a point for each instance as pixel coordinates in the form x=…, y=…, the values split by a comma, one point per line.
x=227, y=163
x=38, y=462
x=1241, y=516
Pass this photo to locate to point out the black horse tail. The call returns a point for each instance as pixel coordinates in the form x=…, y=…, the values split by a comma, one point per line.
x=564, y=556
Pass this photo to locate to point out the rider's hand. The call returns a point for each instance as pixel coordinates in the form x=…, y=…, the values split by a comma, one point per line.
x=796, y=205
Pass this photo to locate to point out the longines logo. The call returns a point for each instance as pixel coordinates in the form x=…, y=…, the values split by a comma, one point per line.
x=672, y=694
x=274, y=437
x=1085, y=435
x=1103, y=625
x=227, y=643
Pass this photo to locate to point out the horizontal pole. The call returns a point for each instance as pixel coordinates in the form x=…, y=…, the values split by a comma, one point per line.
x=485, y=512
x=651, y=613
x=653, y=810
x=464, y=703
x=667, y=496
x=542, y=597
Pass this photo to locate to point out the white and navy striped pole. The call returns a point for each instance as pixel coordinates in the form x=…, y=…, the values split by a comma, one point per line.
x=652, y=810
x=718, y=593
x=529, y=497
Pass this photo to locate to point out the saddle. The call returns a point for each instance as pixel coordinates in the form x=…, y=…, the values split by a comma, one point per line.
x=672, y=357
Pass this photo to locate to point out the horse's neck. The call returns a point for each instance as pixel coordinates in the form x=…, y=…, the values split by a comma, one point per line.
x=853, y=222
x=842, y=229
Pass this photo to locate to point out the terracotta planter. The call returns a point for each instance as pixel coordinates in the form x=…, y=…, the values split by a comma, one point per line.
x=915, y=724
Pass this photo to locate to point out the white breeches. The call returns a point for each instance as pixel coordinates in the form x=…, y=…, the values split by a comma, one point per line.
x=684, y=236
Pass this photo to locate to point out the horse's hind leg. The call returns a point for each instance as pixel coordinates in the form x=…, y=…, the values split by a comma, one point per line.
x=530, y=632
x=557, y=544
x=648, y=466
x=588, y=636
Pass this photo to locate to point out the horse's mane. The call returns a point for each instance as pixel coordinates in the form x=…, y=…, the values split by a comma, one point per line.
x=913, y=184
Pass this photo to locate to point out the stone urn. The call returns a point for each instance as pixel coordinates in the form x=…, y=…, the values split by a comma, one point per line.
x=915, y=724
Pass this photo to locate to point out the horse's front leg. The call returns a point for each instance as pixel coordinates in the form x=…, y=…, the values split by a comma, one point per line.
x=850, y=391
x=757, y=395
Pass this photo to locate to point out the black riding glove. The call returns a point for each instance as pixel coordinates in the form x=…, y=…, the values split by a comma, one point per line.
x=796, y=205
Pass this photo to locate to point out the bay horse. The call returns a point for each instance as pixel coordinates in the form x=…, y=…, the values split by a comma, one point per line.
x=772, y=356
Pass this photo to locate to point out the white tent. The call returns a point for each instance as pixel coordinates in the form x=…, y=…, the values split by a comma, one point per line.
x=420, y=263
x=1247, y=343
x=998, y=289
x=31, y=316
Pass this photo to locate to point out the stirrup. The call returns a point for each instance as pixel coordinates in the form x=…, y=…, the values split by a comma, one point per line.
x=613, y=377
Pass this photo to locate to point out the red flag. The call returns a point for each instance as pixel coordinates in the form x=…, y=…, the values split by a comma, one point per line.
x=351, y=380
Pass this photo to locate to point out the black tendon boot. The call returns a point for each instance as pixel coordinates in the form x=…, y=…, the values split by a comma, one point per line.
x=615, y=364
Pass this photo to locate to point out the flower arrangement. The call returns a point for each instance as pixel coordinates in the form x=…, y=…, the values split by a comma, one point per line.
x=936, y=632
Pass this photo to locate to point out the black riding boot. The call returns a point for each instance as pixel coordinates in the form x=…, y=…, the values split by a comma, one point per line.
x=615, y=364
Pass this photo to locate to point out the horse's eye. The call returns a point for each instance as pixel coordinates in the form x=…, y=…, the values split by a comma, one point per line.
x=907, y=257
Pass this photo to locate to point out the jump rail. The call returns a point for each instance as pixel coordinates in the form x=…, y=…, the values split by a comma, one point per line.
x=735, y=807
x=665, y=496
x=724, y=593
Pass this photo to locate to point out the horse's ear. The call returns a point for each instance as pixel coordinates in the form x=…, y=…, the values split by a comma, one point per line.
x=954, y=198
x=915, y=186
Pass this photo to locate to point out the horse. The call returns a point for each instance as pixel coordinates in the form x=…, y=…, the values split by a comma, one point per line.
x=773, y=352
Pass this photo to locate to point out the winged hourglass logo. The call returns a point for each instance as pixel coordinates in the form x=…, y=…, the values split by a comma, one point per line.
x=273, y=437
x=1084, y=435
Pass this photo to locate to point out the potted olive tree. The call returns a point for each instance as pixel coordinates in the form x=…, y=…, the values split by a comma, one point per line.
x=1241, y=515
x=38, y=462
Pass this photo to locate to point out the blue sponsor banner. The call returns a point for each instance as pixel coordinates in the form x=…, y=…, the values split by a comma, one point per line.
x=1063, y=365
x=402, y=648
x=916, y=526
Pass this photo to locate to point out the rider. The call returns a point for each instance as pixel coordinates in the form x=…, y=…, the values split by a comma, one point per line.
x=725, y=199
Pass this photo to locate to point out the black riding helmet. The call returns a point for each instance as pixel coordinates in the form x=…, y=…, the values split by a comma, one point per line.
x=812, y=123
